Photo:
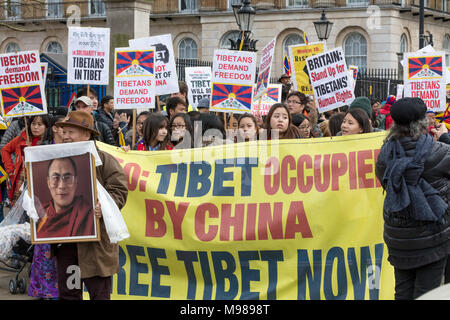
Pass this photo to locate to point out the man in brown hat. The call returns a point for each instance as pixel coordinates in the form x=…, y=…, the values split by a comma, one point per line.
x=104, y=133
x=97, y=261
x=286, y=85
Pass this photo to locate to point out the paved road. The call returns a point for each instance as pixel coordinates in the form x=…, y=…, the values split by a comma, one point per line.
x=5, y=276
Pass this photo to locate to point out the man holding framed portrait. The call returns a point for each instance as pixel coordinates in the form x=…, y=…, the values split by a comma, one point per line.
x=69, y=215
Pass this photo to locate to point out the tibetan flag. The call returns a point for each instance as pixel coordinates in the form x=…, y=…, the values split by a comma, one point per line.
x=232, y=96
x=72, y=100
x=425, y=67
x=305, y=38
x=135, y=63
x=263, y=79
x=121, y=138
x=3, y=124
x=22, y=100
x=444, y=117
x=273, y=94
x=286, y=65
x=3, y=175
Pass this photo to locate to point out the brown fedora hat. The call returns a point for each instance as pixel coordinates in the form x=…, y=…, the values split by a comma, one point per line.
x=79, y=119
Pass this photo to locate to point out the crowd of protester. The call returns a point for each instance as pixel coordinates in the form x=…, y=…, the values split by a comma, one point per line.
x=176, y=125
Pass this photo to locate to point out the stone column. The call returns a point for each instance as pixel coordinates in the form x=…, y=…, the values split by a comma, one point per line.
x=127, y=20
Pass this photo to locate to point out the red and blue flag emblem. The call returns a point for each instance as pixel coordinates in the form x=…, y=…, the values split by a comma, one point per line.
x=232, y=96
x=263, y=79
x=425, y=67
x=135, y=63
x=286, y=65
x=27, y=99
x=273, y=93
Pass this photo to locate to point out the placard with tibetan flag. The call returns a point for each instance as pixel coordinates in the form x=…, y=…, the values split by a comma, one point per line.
x=166, y=78
x=232, y=81
x=272, y=96
x=265, y=65
x=21, y=86
x=425, y=78
x=134, y=80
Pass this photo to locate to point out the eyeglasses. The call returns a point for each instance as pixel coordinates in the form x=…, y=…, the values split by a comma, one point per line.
x=67, y=179
x=293, y=101
x=305, y=127
x=178, y=126
x=139, y=123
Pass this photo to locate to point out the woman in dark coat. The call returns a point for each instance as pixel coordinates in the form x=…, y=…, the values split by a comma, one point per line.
x=414, y=170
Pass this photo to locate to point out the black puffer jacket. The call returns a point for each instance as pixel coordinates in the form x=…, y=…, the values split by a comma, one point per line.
x=412, y=243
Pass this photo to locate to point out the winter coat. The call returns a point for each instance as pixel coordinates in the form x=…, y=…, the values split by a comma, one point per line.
x=104, y=117
x=412, y=243
x=102, y=258
x=14, y=149
x=386, y=112
x=106, y=135
x=11, y=132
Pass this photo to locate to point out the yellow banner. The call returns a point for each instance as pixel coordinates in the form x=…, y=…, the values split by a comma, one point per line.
x=288, y=219
x=297, y=56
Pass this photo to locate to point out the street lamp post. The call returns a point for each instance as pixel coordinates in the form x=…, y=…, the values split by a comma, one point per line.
x=323, y=27
x=422, y=36
x=244, y=14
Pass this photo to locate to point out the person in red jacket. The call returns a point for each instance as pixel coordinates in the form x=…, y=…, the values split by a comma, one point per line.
x=386, y=111
x=37, y=128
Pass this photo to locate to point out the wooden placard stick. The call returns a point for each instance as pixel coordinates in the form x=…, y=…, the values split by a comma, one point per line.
x=134, y=129
x=26, y=130
x=158, y=104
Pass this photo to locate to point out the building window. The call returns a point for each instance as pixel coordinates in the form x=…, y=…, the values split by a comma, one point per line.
x=290, y=40
x=446, y=47
x=53, y=47
x=358, y=3
x=97, y=8
x=12, y=47
x=12, y=9
x=54, y=9
x=297, y=3
x=355, y=50
x=188, y=5
x=403, y=43
x=187, y=49
x=232, y=35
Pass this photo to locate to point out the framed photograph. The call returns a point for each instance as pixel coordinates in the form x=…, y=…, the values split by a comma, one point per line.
x=64, y=194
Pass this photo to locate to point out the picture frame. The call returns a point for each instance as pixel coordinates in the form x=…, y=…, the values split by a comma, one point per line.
x=63, y=190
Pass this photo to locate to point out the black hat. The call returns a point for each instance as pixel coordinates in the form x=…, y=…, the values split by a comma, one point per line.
x=407, y=110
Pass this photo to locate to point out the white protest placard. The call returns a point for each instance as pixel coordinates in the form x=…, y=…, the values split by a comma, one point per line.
x=265, y=65
x=44, y=69
x=399, y=94
x=425, y=78
x=354, y=74
x=21, y=86
x=88, y=56
x=329, y=78
x=165, y=69
x=270, y=97
x=134, y=79
x=198, y=80
x=232, y=81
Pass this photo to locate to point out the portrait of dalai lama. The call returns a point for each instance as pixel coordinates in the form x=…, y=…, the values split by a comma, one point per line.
x=66, y=214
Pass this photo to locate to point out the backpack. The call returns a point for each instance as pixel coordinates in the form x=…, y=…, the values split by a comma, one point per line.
x=380, y=121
